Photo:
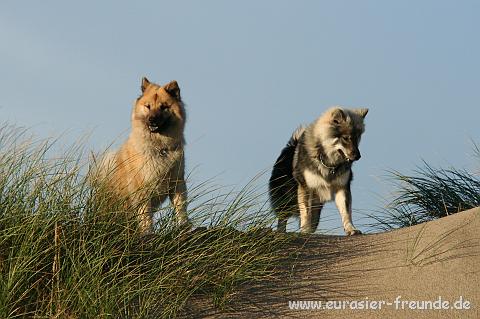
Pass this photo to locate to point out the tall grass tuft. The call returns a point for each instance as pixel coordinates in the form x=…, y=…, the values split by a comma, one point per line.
x=68, y=251
x=430, y=194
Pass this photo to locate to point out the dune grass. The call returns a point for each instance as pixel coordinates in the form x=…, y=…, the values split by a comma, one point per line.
x=429, y=194
x=67, y=252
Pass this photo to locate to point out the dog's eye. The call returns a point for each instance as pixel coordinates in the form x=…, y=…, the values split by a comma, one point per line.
x=147, y=106
x=346, y=138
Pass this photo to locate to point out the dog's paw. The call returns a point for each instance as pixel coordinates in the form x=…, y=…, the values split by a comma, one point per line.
x=186, y=225
x=353, y=232
x=198, y=230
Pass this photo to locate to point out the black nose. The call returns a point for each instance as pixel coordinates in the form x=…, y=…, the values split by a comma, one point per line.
x=155, y=121
x=357, y=156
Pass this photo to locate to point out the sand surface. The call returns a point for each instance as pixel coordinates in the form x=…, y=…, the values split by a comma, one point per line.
x=415, y=266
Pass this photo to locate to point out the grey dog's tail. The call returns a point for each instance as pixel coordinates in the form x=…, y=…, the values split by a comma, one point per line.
x=282, y=185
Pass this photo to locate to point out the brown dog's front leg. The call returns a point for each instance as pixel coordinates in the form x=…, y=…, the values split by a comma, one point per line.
x=178, y=198
x=145, y=216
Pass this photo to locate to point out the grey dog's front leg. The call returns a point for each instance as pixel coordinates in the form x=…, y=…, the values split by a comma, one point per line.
x=315, y=210
x=343, y=200
x=305, y=206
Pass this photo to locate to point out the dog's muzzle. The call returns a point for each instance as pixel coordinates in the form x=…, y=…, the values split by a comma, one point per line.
x=355, y=156
x=157, y=123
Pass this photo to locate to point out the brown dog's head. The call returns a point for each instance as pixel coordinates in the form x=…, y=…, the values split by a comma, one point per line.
x=159, y=109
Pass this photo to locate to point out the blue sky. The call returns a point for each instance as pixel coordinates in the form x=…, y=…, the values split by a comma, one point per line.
x=250, y=72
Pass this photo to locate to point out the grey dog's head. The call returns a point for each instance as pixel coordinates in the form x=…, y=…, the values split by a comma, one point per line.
x=339, y=131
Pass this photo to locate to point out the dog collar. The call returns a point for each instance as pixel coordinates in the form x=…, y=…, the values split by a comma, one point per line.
x=331, y=169
x=164, y=151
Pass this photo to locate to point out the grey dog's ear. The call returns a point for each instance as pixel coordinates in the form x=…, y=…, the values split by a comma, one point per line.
x=173, y=89
x=338, y=116
x=362, y=112
x=145, y=84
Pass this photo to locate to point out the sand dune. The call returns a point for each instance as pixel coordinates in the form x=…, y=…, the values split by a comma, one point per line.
x=421, y=264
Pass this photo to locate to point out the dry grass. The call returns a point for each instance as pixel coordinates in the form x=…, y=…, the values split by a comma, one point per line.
x=67, y=250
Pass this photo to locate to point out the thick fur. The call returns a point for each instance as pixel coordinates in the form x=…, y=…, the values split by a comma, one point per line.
x=149, y=166
x=316, y=167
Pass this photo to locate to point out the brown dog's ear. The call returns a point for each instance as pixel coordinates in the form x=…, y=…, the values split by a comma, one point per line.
x=337, y=116
x=145, y=84
x=362, y=112
x=173, y=89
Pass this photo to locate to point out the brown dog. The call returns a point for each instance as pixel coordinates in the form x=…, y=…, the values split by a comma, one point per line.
x=149, y=167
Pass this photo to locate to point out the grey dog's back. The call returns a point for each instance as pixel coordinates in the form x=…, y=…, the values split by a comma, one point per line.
x=282, y=185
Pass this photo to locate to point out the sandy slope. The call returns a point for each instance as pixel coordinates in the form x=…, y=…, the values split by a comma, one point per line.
x=423, y=262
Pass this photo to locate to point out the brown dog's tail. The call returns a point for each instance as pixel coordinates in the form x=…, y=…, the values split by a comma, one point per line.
x=282, y=185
